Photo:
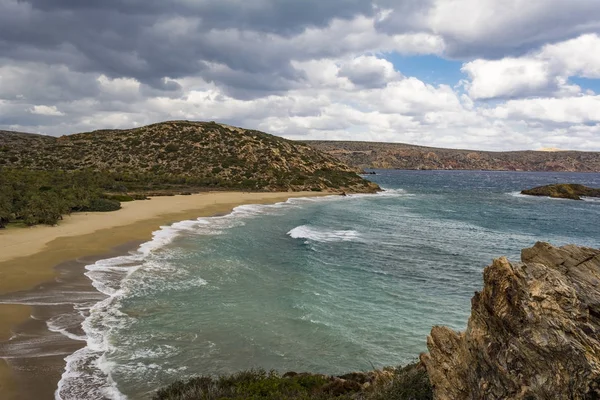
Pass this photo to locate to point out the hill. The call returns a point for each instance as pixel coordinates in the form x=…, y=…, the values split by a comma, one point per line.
x=187, y=154
x=405, y=156
x=43, y=178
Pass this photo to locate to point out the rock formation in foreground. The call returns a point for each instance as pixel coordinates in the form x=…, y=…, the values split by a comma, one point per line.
x=563, y=191
x=534, y=331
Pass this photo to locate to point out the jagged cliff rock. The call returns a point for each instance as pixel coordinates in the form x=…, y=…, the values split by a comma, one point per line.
x=534, y=331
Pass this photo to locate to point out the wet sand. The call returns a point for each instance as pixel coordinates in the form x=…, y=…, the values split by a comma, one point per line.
x=32, y=291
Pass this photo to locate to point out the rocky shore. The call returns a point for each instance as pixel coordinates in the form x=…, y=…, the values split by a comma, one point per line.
x=533, y=331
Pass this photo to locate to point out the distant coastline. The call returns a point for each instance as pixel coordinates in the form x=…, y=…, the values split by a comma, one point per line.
x=28, y=256
x=373, y=155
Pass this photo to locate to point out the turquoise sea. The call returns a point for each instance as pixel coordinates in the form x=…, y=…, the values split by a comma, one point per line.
x=328, y=285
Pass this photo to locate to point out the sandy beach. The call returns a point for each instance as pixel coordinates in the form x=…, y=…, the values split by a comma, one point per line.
x=28, y=257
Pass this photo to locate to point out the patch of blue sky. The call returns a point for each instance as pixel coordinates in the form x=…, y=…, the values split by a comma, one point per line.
x=428, y=68
x=586, y=83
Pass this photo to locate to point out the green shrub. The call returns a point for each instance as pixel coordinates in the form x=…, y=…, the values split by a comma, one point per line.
x=103, y=205
x=120, y=197
x=408, y=383
x=248, y=385
x=171, y=148
x=43, y=208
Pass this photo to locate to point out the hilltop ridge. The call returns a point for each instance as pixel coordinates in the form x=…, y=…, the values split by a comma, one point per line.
x=185, y=153
x=406, y=156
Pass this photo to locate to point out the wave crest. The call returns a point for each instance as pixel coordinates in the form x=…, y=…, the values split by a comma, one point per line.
x=323, y=235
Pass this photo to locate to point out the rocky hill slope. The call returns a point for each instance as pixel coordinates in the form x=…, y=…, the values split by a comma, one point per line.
x=404, y=156
x=533, y=331
x=198, y=154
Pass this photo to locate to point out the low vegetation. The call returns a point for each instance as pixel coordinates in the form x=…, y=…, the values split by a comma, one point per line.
x=43, y=197
x=407, y=383
x=43, y=178
x=186, y=154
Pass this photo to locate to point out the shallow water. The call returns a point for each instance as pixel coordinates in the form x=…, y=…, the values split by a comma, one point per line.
x=325, y=285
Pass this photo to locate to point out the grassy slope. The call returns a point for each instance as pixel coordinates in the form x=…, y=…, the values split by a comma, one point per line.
x=192, y=154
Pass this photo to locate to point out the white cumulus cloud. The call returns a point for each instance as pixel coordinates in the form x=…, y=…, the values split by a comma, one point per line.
x=543, y=72
x=46, y=110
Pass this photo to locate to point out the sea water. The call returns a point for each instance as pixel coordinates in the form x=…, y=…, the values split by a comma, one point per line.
x=328, y=285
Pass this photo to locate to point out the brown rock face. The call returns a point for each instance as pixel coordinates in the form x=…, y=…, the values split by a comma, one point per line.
x=534, y=331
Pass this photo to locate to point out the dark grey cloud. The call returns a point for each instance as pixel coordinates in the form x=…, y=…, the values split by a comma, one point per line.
x=272, y=16
x=43, y=84
x=151, y=40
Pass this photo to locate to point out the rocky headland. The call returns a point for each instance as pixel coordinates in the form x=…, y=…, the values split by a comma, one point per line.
x=534, y=331
x=563, y=191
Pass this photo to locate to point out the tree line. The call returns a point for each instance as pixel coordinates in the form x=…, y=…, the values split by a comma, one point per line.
x=44, y=197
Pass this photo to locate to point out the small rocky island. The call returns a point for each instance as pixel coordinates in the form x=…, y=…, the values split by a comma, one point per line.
x=563, y=191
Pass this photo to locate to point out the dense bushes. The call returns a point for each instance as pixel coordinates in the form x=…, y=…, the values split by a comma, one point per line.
x=120, y=197
x=407, y=383
x=43, y=197
x=104, y=205
x=35, y=196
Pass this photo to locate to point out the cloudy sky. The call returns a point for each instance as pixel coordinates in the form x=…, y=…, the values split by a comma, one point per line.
x=484, y=74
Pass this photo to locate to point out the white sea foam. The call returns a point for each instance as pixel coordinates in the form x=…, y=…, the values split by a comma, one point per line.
x=61, y=323
x=323, y=235
x=88, y=373
x=519, y=194
x=395, y=193
x=591, y=199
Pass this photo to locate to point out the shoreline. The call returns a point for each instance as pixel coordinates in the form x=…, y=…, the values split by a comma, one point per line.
x=79, y=240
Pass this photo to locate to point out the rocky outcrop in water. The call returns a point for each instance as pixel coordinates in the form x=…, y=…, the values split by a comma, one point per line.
x=563, y=191
x=534, y=331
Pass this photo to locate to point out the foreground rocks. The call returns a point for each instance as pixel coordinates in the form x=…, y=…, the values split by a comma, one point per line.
x=563, y=191
x=534, y=331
